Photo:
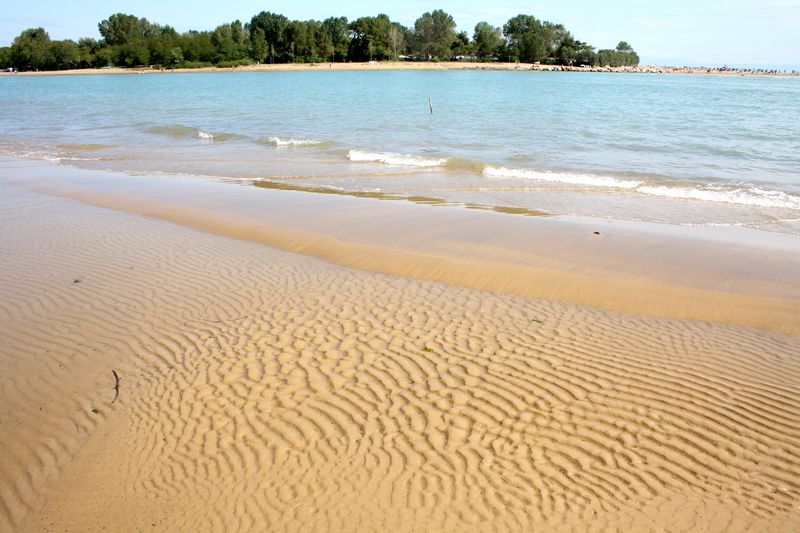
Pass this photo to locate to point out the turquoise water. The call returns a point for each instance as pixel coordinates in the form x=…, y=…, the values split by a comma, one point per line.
x=708, y=150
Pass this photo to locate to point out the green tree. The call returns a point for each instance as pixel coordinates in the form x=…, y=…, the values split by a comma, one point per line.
x=487, y=40
x=301, y=37
x=526, y=38
x=230, y=42
x=5, y=57
x=129, y=41
x=197, y=46
x=461, y=47
x=585, y=54
x=339, y=31
x=622, y=56
x=104, y=57
x=136, y=41
x=162, y=46
x=397, y=39
x=258, y=43
x=574, y=52
x=324, y=44
x=119, y=29
x=556, y=37
x=370, y=38
x=64, y=55
x=133, y=53
x=31, y=50
x=274, y=27
x=434, y=34
x=623, y=46
x=87, y=51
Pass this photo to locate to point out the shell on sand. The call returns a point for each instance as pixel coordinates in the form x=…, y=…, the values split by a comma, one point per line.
x=262, y=390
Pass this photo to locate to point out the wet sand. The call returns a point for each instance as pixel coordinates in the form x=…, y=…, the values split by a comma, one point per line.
x=736, y=276
x=268, y=390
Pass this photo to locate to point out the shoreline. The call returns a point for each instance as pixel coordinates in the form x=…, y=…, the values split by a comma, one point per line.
x=420, y=65
x=679, y=274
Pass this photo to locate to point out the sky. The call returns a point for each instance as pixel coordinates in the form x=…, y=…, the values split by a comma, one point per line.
x=740, y=33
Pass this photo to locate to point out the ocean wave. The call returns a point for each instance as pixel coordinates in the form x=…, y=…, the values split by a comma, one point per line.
x=753, y=196
x=178, y=131
x=45, y=155
x=561, y=177
x=395, y=159
x=281, y=141
x=29, y=153
x=173, y=130
x=85, y=146
x=459, y=164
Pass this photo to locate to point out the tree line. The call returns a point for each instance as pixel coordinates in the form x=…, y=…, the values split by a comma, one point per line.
x=129, y=41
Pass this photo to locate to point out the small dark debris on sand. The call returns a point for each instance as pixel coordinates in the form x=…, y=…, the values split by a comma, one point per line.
x=116, y=386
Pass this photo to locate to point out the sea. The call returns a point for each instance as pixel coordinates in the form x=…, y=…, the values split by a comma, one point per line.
x=699, y=150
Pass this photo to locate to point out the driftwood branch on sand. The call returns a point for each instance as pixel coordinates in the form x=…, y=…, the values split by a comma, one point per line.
x=116, y=385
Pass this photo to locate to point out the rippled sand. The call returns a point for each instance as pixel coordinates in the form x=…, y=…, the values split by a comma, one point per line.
x=262, y=390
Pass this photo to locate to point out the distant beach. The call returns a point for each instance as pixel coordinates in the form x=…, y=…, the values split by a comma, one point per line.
x=425, y=65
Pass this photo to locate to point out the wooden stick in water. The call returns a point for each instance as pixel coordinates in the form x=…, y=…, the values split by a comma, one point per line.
x=430, y=105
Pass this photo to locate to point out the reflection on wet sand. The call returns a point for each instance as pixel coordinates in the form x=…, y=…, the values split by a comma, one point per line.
x=378, y=195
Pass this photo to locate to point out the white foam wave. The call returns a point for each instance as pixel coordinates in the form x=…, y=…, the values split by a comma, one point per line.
x=41, y=155
x=278, y=141
x=561, y=177
x=395, y=159
x=205, y=136
x=749, y=196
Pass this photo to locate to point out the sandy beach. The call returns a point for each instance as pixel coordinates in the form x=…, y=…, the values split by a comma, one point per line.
x=278, y=377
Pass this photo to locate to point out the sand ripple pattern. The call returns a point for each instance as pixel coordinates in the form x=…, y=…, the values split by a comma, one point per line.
x=264, y=391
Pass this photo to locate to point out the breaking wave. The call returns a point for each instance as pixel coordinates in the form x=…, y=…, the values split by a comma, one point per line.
x=395, y=159
x=282, y=141
x=178, y=131
x=561, y=177
x=743, y=196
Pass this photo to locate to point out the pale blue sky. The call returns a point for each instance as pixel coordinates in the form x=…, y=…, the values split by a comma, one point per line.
x=692, y=32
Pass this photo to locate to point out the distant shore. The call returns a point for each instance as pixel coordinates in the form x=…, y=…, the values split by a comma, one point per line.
x=424, y=65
